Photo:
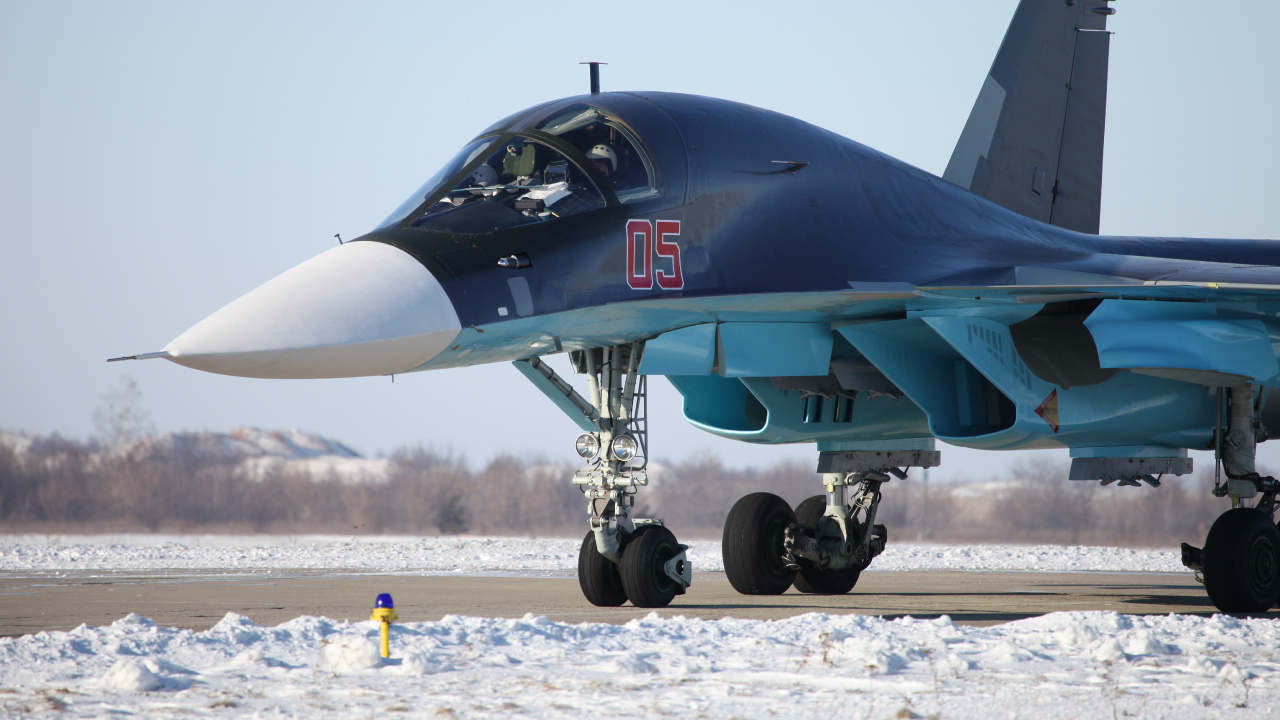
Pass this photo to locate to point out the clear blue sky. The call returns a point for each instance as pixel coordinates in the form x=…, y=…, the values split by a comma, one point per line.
x=157, y=160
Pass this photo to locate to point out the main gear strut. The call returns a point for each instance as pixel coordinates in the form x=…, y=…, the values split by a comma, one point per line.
x=845, y=536
x=825, y=543
x=1240, y=562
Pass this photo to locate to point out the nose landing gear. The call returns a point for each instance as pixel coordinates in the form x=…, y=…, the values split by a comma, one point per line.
x=621, y=558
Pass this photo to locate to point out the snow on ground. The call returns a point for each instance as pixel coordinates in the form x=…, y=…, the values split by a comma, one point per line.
x=1064, y=665
x=489, y=555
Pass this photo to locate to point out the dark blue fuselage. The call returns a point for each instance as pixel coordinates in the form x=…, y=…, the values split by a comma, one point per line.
x=750, y=225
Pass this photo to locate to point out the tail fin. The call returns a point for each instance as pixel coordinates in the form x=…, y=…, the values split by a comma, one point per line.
x=1033, y=142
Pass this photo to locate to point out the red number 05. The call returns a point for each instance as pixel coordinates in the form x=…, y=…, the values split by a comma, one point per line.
x=643, y=242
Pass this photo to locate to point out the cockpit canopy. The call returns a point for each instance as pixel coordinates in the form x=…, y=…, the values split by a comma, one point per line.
x=578, y=159
x=586, y=128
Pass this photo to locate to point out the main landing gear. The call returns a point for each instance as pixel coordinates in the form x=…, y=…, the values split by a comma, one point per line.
x=1240, y=562
x=828, y=540
x=621, y=558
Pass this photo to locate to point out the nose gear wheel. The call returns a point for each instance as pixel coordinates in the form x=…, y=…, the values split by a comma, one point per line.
x=600, y=579
x=645, y=579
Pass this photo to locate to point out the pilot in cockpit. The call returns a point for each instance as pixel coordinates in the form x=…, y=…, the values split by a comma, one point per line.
x=605, y=159
x=483, y=176
x=621, y=175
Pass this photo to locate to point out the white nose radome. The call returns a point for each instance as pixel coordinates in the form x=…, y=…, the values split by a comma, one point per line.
x=363, y=308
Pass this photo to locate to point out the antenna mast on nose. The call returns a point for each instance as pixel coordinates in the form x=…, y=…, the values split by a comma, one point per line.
x=595, y=75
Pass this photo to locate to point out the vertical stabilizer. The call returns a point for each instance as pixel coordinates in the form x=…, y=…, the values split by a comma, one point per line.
x=1033, y=142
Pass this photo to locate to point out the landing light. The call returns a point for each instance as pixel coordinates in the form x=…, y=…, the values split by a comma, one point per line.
x=624, y=447
x=587, y=446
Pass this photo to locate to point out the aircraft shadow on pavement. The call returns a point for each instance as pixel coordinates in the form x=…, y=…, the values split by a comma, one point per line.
x=1197, y=601
x=960, y=617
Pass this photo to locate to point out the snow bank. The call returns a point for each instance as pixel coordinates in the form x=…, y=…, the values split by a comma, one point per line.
x=1064, y=665
x=481, y=555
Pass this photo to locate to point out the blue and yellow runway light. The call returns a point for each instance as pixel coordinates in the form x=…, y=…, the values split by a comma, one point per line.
x=384, y=613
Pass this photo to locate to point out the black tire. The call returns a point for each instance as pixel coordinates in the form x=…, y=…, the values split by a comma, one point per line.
x=600, y=579
x=1242, y=562
x=644, y=580
x=810, y=579
x=752, y=545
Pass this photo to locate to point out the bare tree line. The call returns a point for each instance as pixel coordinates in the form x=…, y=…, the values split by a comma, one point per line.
x=58, y=485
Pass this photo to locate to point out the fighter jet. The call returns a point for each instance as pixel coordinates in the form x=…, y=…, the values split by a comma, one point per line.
x=797, y=286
